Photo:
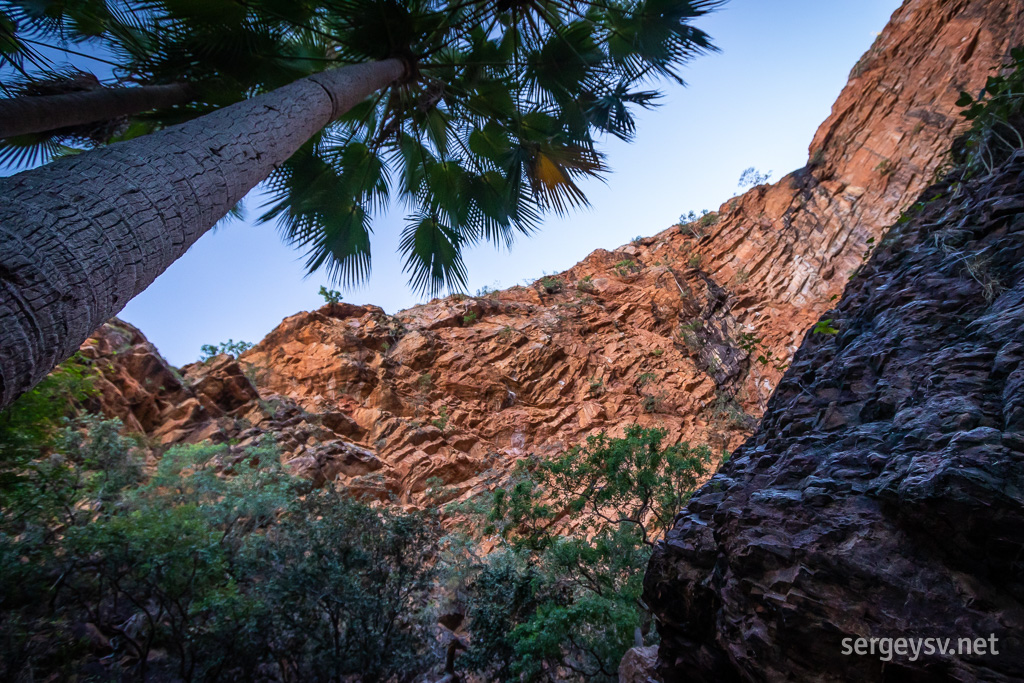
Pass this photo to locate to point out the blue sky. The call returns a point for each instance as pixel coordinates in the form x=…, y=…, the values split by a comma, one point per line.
x=756, y=103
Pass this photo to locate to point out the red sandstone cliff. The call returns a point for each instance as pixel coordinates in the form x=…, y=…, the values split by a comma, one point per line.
x=459, y=388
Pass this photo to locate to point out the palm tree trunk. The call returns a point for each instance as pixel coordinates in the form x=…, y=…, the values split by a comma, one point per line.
x=37, y=114
x=83, y=235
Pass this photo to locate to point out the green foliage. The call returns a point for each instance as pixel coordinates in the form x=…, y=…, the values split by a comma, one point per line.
x=691, y=339
x=197, y=564
x=35, y=416
x=552, y=284
x=356, y=580
x=441, y=421
x=32, y=426
x=726, y=407
x=695, y=225
x=230, y=347
x=651, y=403
x=751, y=177
x=564, y=595
x=469, y=318
x=645, y=379
x=107, y=461
x=224, y=55
x=496, y=125
x=824, y=327
x=585, y=284
x=331, y=296
x=867, y=251
x=694, y=261
x=626, y=267
x=997, y=119
x=754, y=346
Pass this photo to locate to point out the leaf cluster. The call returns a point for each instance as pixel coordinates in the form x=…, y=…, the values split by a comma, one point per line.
x=997, y=119
x=230, y=347
x=564, y=596
x=495, y=124
x=223, y=50
x=221, y=566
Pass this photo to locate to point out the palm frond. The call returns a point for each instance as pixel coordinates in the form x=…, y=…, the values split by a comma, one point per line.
x=433, y=255
x=313, y=204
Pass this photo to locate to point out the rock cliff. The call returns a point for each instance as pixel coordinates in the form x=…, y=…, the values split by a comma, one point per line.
x=652, y=332
x=882, y=494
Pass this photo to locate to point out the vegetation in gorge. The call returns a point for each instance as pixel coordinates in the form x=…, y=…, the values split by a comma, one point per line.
x=331, y=296
x=560, y=598
x=213, y=563
x=997, y=119
x=230, y=347
x=217, y=566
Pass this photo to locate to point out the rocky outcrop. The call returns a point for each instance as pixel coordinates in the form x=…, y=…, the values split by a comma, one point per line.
x=883, y=495
x=458, y=389
x=218, y=402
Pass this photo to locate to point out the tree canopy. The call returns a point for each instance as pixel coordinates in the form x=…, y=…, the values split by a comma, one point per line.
x=496, y=121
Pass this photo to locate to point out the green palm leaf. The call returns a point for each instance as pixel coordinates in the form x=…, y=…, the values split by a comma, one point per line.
x=491, y=127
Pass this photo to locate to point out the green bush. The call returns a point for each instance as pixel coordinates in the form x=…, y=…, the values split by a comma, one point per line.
x=331, y=296
x=230, y=347
x=997, y=119
x=222, y=566
x=441, y=421
x=221, y=562
x=566, y=599
x=751, y=177
x=552, y=285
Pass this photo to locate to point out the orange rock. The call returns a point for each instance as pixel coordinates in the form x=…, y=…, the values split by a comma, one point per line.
x=647, y=333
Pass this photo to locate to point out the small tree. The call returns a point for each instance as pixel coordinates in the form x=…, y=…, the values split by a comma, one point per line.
x=331, y=296
x=751, y=177
x=230, y=347
x=578, y=530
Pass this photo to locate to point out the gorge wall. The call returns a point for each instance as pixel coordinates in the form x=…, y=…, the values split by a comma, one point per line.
x=459, y=388
x=883, y=494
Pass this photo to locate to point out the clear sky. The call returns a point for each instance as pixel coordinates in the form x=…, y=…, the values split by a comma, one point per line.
x=756, y=103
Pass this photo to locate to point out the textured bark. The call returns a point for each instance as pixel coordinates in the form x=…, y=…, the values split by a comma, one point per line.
x=81, y=236
x=37, y=114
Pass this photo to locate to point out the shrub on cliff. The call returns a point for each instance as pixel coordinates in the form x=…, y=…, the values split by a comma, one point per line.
x=997, y=119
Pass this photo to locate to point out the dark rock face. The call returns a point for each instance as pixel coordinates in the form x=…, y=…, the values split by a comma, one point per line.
x=883, y=495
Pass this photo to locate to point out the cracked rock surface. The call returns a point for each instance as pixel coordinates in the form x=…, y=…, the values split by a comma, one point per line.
x=883, y=494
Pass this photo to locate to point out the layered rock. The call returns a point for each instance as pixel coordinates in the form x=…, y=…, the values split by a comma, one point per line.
x=883, y=495
x=458, y=389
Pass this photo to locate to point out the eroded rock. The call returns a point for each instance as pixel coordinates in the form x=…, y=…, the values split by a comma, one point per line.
x=883, y=495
